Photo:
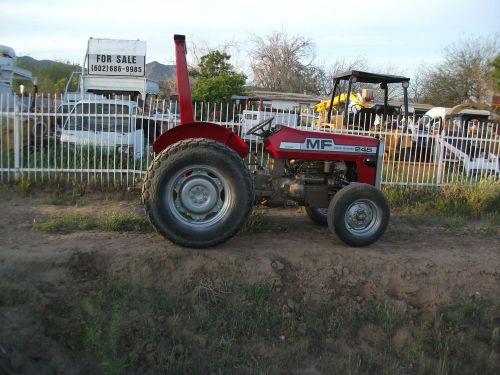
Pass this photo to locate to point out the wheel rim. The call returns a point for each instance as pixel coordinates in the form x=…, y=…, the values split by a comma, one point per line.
x=198, y=196
x=363, y=217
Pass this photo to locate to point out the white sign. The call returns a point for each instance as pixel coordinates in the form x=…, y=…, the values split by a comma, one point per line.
x=110, y=57
x=117, y=65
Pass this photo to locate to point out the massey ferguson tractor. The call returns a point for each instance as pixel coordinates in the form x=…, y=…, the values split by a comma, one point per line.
x=198, y=191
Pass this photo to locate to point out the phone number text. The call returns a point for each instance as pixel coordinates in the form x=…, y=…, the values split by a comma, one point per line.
x=115, y=69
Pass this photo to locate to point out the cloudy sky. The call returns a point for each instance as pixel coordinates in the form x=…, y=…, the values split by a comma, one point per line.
x=402, y=34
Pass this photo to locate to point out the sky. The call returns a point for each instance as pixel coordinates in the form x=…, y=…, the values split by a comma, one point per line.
x=396, y=33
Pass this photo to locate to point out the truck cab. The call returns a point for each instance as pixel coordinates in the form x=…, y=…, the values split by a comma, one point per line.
x=110, y=125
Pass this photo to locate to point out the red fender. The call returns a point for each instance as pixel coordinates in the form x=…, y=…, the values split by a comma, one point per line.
x=201, y=130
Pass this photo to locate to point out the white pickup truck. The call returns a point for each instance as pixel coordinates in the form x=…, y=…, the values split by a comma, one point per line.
x=113, y=125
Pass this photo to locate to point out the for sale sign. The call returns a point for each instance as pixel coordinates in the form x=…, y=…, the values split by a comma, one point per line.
x=114, y=57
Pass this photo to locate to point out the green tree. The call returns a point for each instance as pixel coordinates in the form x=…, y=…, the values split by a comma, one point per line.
x=495, y=73
x=216, y=80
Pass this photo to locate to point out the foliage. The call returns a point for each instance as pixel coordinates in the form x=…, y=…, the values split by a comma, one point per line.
x=51, y=75
x=218, y=323
x=24, y=186
x=216, y=80
x=168, y=88
x=213, y=64
x=495, y=72
x=60, y=85
x=219, y=88
x=284, y=63
x=14, y=293
x=108, y=223
x=472, y=201
x=256, y=222
x=464, y=76
x=57, y=155
x=326, y=74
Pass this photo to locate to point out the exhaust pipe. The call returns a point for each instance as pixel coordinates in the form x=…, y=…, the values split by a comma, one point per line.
x=183, y=89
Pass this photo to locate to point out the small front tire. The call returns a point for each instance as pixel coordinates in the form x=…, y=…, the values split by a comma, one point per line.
x=318, y=215
x=358, y=214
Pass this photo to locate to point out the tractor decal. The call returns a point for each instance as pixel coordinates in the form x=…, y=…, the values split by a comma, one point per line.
x=326, y=144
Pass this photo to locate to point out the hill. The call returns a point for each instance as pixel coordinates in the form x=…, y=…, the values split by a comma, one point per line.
x=154, y=70
x=30, y=63
x=160, y=72
x=52, y=75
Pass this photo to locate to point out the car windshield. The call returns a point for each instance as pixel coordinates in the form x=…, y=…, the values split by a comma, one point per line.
x=100, y=117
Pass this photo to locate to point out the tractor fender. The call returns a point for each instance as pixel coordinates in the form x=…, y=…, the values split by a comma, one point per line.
x=201, y=129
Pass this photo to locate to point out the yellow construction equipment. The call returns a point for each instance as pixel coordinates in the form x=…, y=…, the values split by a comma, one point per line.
x=336, y=120
x=351, y=111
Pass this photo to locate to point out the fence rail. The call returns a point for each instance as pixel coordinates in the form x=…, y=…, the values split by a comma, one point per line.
x=109, y=141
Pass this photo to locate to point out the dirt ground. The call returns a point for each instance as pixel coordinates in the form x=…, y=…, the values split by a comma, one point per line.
x=417, y=265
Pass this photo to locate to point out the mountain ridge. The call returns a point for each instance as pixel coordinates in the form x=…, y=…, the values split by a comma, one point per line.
x=154, y=70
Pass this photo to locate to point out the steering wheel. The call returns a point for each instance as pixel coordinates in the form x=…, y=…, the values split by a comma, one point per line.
x=260, y=126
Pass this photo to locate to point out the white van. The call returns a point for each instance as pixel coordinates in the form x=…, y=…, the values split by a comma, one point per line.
x=107, y=124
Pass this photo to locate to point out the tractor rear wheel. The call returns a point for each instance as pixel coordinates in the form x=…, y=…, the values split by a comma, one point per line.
x=317, y=215
x=198, y=193
x=358, y=214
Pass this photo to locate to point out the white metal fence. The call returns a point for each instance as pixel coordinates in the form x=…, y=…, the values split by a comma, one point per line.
x=108, y=141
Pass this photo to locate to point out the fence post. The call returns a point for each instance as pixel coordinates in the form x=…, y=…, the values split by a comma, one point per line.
x=440, y=161
x=17, y=142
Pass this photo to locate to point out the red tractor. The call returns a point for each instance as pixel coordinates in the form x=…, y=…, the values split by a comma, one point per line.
x=198, y=191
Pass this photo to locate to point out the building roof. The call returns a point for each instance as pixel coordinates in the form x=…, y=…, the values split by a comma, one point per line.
x=285, y=96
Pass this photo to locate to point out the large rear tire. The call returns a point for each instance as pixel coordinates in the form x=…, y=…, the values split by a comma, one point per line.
x=358, y=214
x=198, y=193
x=317, y=215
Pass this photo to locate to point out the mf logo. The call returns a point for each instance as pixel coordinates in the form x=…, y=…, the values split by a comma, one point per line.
x=318, y=143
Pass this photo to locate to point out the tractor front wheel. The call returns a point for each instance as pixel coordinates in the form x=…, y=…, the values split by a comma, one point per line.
x=358, y=214
x=317, y=215
x=198, y=193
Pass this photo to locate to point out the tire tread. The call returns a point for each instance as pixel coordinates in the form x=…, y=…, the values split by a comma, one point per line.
x=174, y=153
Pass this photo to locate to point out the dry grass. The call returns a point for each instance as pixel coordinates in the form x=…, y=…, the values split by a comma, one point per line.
x=240, y=328
x=115, y=223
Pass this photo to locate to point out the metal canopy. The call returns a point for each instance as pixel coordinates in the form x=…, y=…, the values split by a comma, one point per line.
x=366, y=77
